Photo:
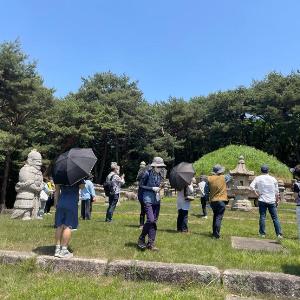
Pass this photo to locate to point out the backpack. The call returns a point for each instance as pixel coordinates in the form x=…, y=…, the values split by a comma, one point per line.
x=109, y=187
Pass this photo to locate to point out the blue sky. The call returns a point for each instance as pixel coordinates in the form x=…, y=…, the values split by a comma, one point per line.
x=180, y=48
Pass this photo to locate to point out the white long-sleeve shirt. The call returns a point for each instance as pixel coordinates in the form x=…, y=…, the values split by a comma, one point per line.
x=267, y=188
x=181, y=202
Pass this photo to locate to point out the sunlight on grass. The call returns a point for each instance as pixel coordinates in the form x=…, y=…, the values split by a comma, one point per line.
x=117, y=240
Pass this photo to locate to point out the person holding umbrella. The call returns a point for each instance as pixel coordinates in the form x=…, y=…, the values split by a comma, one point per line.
x=184, y=198
x=69, y=171
x=66, y=216
x=151, y=183
x=182, y=179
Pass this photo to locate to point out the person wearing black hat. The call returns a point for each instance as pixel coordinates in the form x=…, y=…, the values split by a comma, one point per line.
x=266, y=188
x=296, y=189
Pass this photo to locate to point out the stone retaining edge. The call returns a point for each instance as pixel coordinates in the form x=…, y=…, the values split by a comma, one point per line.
x=241, y=281
x=277, y=284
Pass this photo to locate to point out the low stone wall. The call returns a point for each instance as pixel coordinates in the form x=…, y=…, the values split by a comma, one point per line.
x=164, y=272
x=277, y=284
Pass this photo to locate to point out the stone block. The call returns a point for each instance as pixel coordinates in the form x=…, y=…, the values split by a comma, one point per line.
x=276, y=284
x=74, y=265
x=163, y=272
x=12, y=257
x=123, y=268
x=244, y=243
x=176, y=273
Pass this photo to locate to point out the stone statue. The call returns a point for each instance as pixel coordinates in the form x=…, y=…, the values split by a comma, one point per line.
x=28, y=188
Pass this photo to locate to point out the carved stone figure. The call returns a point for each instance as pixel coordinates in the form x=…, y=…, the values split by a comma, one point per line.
x=28, y=188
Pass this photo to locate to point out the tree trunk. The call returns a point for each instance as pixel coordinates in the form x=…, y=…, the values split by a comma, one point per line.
x=5, y=180
x=101, y=169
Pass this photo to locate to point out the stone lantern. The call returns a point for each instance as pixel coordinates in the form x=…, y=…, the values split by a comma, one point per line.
x=241, y=186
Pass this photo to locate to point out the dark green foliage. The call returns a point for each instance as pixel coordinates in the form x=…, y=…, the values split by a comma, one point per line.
x=110, y=115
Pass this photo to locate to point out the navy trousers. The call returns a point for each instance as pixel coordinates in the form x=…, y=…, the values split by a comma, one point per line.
x=150, y=227
x=218, y=208
x=112, y=203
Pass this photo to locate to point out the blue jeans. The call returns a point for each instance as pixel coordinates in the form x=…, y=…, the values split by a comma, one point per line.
x=218, y=208
x=113, y=200
x=262, y=217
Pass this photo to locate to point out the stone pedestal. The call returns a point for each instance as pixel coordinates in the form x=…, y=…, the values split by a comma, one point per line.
x=241, y=204
x=240, y=187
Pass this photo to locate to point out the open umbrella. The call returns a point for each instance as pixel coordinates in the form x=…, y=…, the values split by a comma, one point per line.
x=181, y=175
x=73, y=165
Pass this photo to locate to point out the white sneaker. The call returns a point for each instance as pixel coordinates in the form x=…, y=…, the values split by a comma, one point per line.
x=65, y=254
x=279, y=237
x=57, y=252
x=205, y=217
x=262, y=236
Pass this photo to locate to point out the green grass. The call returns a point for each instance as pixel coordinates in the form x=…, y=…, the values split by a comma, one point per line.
x=229, y=156
x=26, y=281
x=117, y=240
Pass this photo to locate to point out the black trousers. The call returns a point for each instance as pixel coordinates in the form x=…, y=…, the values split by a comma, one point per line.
x=49, y=203
x=86, y=209
x=143, y=212
x=218, y=208
x=182, y=220
x=203, y=204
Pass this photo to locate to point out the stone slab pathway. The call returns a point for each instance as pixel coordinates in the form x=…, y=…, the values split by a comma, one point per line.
x=244, y=243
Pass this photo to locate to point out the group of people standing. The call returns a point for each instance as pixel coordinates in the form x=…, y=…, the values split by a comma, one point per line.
x=151, y=178
x=213, y=190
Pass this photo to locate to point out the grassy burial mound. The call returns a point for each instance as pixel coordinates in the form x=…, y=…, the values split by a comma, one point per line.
x=229, y=156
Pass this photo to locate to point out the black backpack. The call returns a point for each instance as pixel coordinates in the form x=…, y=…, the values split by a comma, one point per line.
x=108, y=186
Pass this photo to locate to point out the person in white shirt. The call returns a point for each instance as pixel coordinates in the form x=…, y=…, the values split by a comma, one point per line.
x=266, y=188
x=184, y=198
x=203, y=195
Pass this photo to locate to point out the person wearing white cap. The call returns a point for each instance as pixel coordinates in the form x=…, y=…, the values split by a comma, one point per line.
x=151, y=183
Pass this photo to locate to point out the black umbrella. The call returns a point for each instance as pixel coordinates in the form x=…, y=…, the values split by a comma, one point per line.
x=73, y=165
x=181, y=175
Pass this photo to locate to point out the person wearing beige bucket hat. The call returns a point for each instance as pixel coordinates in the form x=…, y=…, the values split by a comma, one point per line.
x=151, y=183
